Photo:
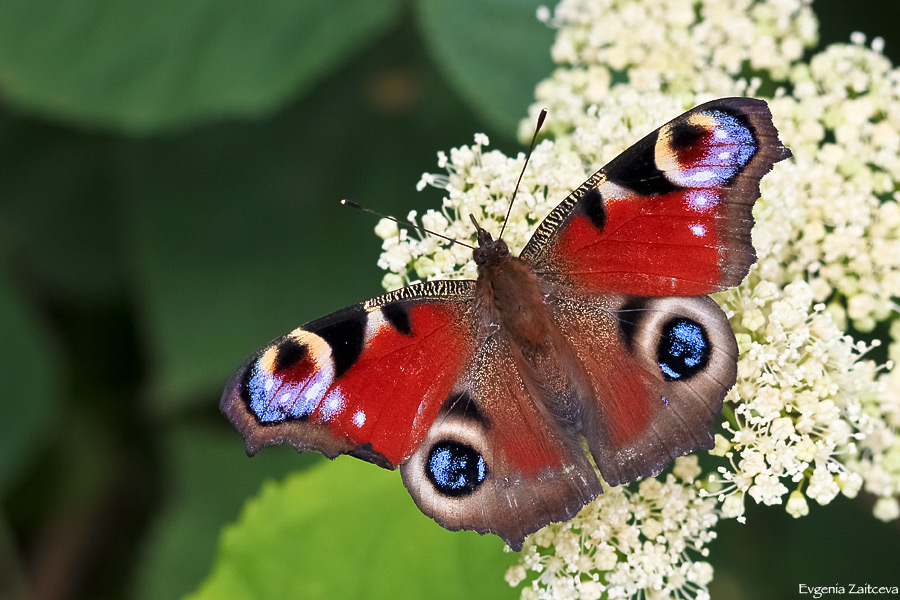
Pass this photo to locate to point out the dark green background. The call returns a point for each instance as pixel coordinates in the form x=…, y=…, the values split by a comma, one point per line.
x=169, y=183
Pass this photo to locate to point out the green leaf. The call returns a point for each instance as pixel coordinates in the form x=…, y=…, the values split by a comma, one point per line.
x=212, y=476
x=350, y=530
x=493, y=51
x=30, y=373
x=142, y=66
x=58, y=217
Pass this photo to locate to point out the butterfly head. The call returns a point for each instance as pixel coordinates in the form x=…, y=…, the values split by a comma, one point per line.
x=489, y=250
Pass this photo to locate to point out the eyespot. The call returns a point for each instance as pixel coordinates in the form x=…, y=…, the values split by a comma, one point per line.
x=683, y=349
x=289, y=378
x=455, y=469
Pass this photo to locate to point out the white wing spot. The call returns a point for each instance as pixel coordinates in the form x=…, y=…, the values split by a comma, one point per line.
x=698, y=230
x=316, y=389
x=359, y=418
x=333, y=404
x=703, y=176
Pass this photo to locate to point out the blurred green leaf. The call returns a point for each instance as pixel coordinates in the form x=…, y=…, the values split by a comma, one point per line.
x=58, y=217
x=493, y=51
x=211, y=478
x=838, y=544
x=142, y=66
x=350, y=530
x=30, y=374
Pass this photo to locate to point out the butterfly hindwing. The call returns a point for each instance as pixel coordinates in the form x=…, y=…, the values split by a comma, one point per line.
x=367, y=380
x=659, y=369
x=671, y=215
x=496, y=460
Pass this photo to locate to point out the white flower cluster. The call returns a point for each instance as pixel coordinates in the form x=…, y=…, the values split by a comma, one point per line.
x=629, y=540
x=795, y=415
x=688, y=49
x=479, y=183
x=835, y=219
x=810, y=416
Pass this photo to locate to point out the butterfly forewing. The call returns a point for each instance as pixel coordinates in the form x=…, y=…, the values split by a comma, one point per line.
x=362, y=380
x=670, y=216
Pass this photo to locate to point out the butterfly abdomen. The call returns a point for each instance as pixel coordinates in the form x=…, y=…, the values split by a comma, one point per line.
x=516, y=306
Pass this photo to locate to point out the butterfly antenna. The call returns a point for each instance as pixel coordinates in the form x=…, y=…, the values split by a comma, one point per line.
x=352, y=204
x=540, y=122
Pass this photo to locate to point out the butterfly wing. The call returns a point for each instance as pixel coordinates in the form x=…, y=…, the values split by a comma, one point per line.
x=625, y=259
x=658, y=370
x=495, y=460
x=670, y=216
x=367, y=381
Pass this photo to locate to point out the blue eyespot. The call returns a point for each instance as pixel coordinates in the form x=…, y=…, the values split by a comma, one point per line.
x=727, y=145
x=455, y=469
x=683, y=349
x=274, y=397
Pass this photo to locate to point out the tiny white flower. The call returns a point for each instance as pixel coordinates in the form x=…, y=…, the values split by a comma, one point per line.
x=796, y=505
x=687, y=468
x=887, y=508
x=515, y=575
x=733, y=505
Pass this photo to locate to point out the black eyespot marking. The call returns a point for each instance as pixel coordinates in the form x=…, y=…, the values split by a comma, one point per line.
x=345, y=332
x=636, y=169
x=455, y=469
x=746, y=132
x=595, y=208
x=397, y=314
x=257, y=398
x=464, y=405
x=630, y=315
x=683, y=350
x=744, y=120
x=289, y=353
x=244, y=390
x=683, y=135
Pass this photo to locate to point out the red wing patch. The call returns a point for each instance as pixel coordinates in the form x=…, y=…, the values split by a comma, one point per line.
x=676, y=245
x=390, y=397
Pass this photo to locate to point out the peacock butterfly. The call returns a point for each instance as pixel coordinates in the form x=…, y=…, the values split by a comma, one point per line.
x=481, y=391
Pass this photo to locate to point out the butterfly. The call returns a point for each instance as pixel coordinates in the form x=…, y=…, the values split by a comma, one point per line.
x=599, y=335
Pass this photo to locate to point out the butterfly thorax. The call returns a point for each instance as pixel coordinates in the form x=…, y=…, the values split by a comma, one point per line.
x=510, y=296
